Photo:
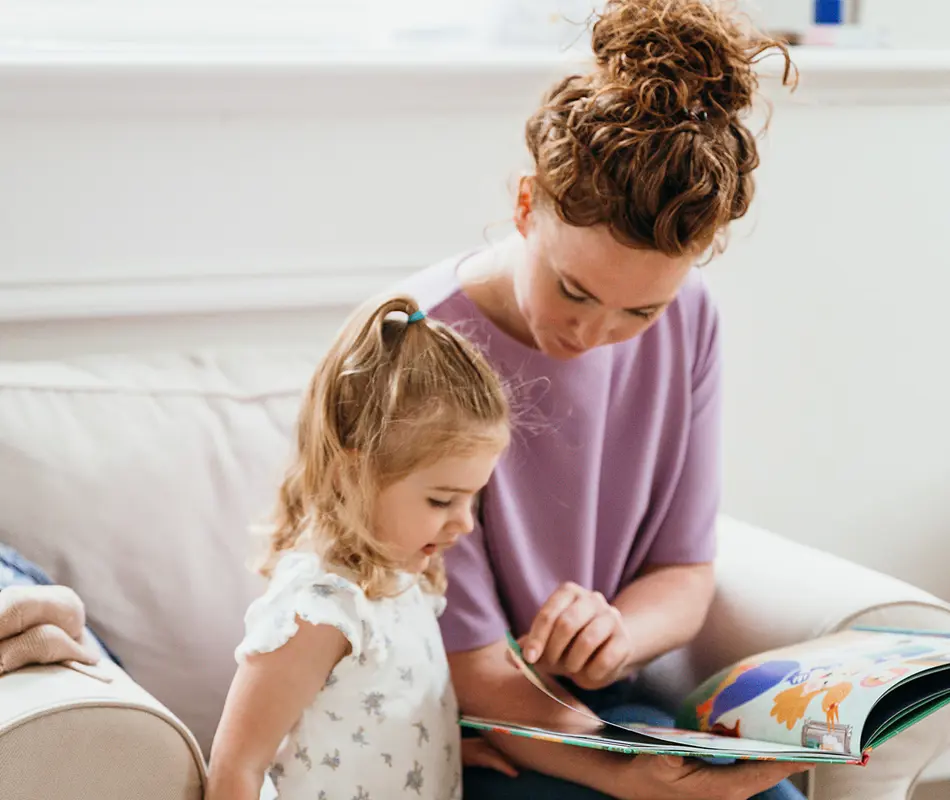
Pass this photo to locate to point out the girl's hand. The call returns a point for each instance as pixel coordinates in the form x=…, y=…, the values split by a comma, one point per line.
x=479, y=752
x=578, y=634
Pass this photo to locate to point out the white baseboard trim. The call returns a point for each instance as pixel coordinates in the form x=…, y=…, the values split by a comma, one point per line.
x=56, y=301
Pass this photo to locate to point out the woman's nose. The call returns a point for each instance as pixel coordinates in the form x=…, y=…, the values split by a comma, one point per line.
x=594, y=331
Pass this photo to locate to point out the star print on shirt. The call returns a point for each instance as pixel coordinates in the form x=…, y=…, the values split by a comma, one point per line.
x=414, y=779
x=423, y=732
x=373, y=704
x=302, y=756
x=456, y=789
x=333, y=762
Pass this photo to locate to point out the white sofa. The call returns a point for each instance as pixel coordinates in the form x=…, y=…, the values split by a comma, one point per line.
x=134, y=480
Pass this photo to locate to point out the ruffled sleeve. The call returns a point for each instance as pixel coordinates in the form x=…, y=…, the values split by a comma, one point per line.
x=301, y=587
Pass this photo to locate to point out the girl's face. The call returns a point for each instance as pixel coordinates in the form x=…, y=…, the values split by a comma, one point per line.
x=429, y=509
x=579, y=288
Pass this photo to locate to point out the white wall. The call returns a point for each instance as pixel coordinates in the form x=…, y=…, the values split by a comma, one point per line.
x=908, y=23
x=834, y=300
x=149, y=205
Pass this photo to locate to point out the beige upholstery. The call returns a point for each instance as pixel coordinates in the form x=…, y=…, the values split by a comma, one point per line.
x=134, y=480
x=69, y=736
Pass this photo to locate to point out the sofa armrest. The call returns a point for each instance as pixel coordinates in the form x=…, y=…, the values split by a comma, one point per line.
x=69, y=735
x=772, y=592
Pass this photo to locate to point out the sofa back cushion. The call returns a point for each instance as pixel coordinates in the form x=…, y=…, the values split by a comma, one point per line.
x=134, y=480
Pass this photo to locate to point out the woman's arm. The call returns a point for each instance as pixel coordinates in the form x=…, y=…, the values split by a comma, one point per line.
x=267, y=697
x=665, y=608
x=489, y=686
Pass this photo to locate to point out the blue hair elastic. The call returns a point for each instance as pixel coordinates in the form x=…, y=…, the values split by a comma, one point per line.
x=416, y=316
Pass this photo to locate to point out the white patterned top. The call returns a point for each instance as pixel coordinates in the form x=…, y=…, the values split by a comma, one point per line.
x=386, y=724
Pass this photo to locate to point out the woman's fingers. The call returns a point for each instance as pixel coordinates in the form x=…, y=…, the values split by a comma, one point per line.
x=568, y=629
x=577, y=631
x=753, y=777
x=680, y=778
x=588, y=641
x=536, y=641
x=613, y=659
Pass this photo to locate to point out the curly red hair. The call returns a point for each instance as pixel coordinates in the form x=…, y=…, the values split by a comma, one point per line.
x=652, y=142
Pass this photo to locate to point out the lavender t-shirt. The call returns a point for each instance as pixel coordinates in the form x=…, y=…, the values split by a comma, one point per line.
x=614, y=463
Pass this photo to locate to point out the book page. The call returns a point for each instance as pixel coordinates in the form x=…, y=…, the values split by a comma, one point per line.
x=642, y=738
x=817, y=694
x=663, y=741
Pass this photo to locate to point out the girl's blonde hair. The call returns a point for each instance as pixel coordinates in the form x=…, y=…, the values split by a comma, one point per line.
x=394, y=393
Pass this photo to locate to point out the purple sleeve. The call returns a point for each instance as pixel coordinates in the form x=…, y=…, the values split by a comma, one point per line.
x=473, y=617
x=687, y=534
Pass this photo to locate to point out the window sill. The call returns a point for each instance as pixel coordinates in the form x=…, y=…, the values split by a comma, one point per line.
x=234, y=78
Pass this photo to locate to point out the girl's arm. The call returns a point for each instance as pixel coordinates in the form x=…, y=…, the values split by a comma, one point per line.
x=267, y=697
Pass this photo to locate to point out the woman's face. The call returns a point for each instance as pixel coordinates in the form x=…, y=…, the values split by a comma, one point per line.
x=578, y=288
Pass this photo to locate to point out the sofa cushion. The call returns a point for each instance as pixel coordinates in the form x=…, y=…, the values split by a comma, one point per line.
x=134, y=480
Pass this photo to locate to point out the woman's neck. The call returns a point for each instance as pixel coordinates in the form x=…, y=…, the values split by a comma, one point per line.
x=487, y=278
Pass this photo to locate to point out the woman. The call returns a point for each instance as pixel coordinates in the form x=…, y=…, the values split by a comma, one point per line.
x=597, y=530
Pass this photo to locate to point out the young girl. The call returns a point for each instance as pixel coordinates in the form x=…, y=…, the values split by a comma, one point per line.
x=342, y=690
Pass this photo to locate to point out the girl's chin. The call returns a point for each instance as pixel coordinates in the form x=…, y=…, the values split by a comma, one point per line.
x=417, y=563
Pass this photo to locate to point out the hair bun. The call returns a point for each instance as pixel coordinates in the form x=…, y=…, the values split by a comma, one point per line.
x=677, y=56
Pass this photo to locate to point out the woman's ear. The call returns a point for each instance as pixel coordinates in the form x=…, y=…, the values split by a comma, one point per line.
x=524, y=204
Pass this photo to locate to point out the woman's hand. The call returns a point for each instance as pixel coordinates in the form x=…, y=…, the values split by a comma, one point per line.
x=479, y=752
x=578, y=634
x=675, y=778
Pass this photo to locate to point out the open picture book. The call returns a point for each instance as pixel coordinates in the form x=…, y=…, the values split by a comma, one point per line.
x=828, y=700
